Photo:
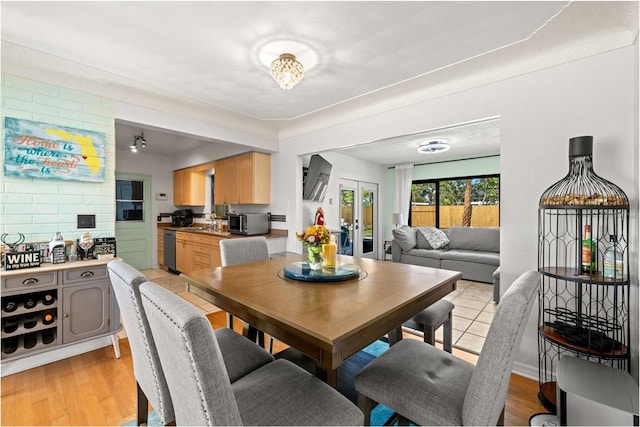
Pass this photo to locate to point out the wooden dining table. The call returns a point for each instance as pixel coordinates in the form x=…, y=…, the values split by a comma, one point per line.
x=327, y=321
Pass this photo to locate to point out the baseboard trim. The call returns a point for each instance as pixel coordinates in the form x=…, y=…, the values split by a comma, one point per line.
x=10, y=367
x=526, y=371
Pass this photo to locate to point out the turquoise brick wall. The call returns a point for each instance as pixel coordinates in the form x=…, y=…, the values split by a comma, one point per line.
x=39, y=207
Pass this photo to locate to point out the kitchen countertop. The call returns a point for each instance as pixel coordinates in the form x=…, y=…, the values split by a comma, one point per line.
x=203, y=229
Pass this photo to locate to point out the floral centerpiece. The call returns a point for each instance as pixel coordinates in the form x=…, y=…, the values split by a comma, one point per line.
x=313, y=238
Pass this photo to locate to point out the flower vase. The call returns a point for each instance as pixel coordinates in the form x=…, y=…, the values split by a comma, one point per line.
x=314, y=255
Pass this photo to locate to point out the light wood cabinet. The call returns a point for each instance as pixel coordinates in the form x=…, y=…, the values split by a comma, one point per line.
x=160, y=247
x=189, y=187
x=197, y=252
x=184, y=252
x=243, y=179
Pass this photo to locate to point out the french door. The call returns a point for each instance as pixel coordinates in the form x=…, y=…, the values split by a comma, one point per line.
x=358, y=218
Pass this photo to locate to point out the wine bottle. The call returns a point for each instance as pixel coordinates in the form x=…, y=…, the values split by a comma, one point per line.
x=48, y=298
x=30, y=340
x=10, y=325
x=48, y=335
x=30, y=302
x=588, y=252
x=613, y=260
x=48, y=317
x=9, y=345
x=10, y=304
x=30, y=321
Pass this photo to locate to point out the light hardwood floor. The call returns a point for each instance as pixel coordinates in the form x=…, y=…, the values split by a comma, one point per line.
x=98, y=390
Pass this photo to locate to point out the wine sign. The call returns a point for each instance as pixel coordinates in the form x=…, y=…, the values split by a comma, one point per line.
x=40, y=150
x=19, y=260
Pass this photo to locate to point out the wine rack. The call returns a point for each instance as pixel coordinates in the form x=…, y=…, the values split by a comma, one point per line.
x=55, y=306
x=32, y=325
x=581, y=313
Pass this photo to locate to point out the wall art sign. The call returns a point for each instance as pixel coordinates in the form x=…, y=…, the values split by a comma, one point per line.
x=40, y=150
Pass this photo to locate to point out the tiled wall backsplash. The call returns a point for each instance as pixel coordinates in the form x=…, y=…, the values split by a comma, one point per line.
x=39, y=207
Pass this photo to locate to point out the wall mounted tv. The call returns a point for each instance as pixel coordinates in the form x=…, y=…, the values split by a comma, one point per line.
x=316, y=179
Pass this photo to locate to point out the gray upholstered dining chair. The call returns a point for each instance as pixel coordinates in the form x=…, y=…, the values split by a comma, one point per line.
x=278, y=393
x=240, y=355
x=429, y=386
x=239, y=251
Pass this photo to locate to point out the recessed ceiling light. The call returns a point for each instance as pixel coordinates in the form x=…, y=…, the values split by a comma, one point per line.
x=435, y=146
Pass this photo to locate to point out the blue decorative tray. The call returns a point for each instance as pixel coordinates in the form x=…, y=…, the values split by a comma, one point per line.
x=301, y=271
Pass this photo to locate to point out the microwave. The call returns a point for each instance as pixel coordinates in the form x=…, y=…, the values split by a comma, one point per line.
x=248, y=224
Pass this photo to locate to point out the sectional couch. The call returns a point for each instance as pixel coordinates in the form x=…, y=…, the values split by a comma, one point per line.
x=473, y=251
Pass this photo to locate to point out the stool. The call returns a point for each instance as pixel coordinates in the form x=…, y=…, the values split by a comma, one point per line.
x=431, y=318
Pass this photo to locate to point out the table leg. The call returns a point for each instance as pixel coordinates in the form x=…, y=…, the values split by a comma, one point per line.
x=395, y=335
x=328, y=376
x=116, y=345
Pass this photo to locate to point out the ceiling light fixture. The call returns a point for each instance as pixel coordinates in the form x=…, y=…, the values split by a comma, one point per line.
x=287, y=71
x=435, y=146
x=138, y=139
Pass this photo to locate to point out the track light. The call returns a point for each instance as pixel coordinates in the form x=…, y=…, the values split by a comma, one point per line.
x=141, y=140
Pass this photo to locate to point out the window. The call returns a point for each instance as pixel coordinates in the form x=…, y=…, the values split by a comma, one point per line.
x=466, y=201
x=129, y=200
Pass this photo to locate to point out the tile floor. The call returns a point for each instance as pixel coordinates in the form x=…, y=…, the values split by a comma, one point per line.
x=471, y=316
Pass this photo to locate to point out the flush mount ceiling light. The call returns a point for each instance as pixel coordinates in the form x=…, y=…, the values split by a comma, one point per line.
x=138, y=139
x=435, y=146
x=287, y=69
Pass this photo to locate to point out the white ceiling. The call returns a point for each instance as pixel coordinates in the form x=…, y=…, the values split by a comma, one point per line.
x=207, y=51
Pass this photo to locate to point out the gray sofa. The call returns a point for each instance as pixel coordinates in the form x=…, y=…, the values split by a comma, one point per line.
x=473, y=251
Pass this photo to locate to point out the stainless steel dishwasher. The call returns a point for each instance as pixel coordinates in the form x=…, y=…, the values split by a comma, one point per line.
x=170, y=249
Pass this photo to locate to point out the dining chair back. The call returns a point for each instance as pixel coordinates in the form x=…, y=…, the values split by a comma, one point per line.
x=246, y=249
x=429, y=386
x=150, y=380
x=240, y=251
x=278, y=393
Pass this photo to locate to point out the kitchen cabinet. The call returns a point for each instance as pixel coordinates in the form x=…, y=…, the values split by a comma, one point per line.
x=243, y=179
x=160, y=248
x=56, y=305
x=184, y=251
x=189, y=187
x=196, y=251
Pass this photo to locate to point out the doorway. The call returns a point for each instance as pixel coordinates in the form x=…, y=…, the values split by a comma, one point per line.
x=358, y=218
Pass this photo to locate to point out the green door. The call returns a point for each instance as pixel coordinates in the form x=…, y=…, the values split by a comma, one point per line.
x=133, y=219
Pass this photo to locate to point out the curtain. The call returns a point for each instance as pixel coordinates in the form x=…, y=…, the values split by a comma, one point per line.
x=402, y=193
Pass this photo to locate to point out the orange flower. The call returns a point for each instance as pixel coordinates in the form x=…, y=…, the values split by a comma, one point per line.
x=315, y=235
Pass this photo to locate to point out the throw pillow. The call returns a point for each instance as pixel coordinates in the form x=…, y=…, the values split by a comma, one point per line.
x=405, y=236
x=421, y=242
x=436, y=237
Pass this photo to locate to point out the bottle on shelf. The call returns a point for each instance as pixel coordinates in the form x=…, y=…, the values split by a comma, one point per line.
x=30, y=302
x=48, y=298
x=48, y=317
x=30, y=321
x=588, y=252
x=613, y=263
x=9, y=345
x=48, y=336
x=30, y=340
x=9, y=304
x=10, y=325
